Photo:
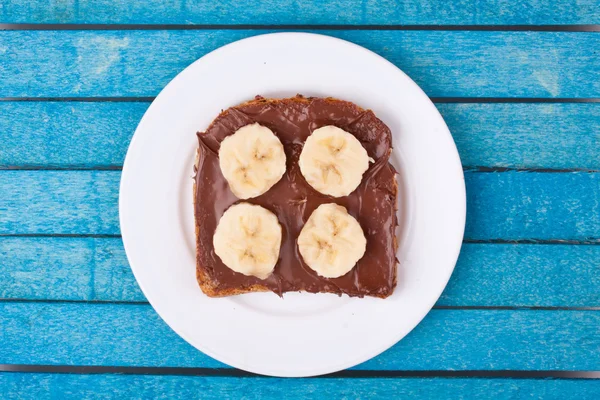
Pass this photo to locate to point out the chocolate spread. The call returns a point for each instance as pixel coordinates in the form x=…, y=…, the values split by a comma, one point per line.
x=293, y=200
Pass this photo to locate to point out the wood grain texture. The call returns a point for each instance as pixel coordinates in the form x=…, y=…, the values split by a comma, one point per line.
x=96, y=134
x=508, y=205
x=96, y=269
x=558, y=136
x=66, y=269
x=459, y=63
x=134, y=335
x=59, y=202
x=24, y=386
x=71, y=134
x=533, y=205
x=525, y=275
x=330, y=12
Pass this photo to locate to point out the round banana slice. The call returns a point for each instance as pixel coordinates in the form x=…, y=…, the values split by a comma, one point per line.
x=252, y=160
x=332, y=241
x=333, y=161
x=248, y=239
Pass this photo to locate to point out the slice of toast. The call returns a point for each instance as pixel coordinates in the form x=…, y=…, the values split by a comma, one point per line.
x=373, y=203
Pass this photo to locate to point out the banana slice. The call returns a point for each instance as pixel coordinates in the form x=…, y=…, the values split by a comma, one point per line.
x=332, y=241
x=248, y=239
x=333, y=161
x=252, y=160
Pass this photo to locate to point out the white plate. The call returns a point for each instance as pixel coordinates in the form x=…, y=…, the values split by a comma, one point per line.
x=301, y=334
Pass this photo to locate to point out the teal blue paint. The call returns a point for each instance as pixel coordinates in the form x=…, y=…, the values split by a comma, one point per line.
x=341, y=12
x=59, y=202
x=456, y=63
x=37, y=268
x=523, y=205
x=507, y=205
x=512, y=205
x=134, y=335
x=63, y=387
x=73, y=269
x=75, y=134
x=485, y=275
x=557, y=136
x=524, y=276
x=56, y=134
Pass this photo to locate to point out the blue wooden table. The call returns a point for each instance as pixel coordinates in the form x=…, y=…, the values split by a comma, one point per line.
x=519, y=86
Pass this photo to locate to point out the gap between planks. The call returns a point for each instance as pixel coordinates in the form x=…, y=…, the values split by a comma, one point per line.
x=232, y=372
x=120, y=168
x=445, y=100
x=589, y=241
x=486, y=308
x=375, y=27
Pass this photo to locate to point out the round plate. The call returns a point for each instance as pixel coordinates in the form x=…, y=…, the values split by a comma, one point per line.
x=302, y=334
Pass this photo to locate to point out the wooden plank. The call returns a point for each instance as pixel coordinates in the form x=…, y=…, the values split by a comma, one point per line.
x=71, y=134
x=80, y=134
x=525, y=275
x=88, y=269
x=558, y=136
x=69, y=202
x=324, y=12
x=533, y=205
x=92, y=269
x=134, y=335
x=455, y=64
x=508, y=205
x=23, y=386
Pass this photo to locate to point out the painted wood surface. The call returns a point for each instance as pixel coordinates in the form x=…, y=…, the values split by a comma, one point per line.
x=68, y=134
x=97, y=134
x=76, y=274
x=533, y=205
x=87, y=269
x=521, y=275
x=134, y=335
x=455, y=63
x=515, y=275
x=330, y=12
x=63, y=202
x=508, y=205
x=60, y=386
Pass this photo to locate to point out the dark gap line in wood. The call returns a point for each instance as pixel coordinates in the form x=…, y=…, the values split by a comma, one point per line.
x=518, y=308
x=466, y=100
x=518, y=100
x=71, y=301
x=480, y=308
x=467, y=374
x=537, y=170
x=80, y=99
x=375, y=27
x=587, y=241
x=232, y=372
x=481, y=169
x=68, y=167
x=61, y=235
